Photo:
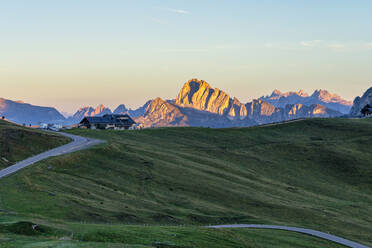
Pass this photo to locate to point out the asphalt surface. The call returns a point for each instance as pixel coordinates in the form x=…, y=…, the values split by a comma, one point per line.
x=78, y=143
x=318, y=234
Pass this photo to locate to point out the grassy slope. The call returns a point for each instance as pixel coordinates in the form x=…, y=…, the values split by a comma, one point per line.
x=314, y=173
x=18, y=143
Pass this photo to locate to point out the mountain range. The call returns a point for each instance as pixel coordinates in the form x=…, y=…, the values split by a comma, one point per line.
x=199, y=104
x=323, y=97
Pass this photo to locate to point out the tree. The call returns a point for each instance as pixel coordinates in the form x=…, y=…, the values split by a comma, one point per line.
x=366, y=109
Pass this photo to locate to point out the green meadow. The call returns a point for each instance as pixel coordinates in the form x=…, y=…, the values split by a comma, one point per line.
x=158, y=187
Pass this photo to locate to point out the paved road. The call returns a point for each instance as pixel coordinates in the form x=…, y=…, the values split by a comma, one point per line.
x=299, y=230
x=77, y=144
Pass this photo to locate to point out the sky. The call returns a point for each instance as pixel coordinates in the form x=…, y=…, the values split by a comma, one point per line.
x=74, y=53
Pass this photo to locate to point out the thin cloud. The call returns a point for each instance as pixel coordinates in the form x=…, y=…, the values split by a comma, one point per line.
x=177, y=11
x=335, y=46
x=369, y=45
x=187, y=50
x=311, y=43
x=213, y=48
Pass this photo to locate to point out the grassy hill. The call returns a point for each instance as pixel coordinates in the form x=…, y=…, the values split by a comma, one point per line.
x=313, y=173
x=18, y=143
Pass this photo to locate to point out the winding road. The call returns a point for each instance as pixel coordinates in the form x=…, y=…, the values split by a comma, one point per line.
x=78, y=143
x=314, y=233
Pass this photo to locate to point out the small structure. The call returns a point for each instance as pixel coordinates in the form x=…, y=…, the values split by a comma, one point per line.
x=43, y=126
x=367, y=111
x=51, y=126
x=108, y=121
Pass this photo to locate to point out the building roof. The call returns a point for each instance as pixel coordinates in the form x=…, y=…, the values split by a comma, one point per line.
x=109, y=119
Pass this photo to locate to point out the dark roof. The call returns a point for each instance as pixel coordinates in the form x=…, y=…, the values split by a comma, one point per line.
x=109, y=119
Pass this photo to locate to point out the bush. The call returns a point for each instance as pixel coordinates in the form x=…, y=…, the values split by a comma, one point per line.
x=26, y=228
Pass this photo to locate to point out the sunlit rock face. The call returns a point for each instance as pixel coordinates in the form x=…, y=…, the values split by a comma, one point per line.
x=260, y=108
x=262, y=112
x=361, y=102
x=237, y=110
x=162, y=113
x=200, y=95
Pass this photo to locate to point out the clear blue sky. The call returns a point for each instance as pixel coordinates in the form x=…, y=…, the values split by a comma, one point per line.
x=77, y=52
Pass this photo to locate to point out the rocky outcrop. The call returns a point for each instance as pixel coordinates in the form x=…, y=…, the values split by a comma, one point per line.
x=200, y=95
x=322, y=97
x=262, y=112
x=121, y=109
x=331, y=101
x=361, y=102
x=237, y=110
x=162, y=113
x=139, y=111
x=89, y=111
x=296, y=111
x=24, y=113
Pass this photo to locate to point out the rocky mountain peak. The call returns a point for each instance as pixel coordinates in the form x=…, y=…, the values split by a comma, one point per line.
x=90, y=111
x=276, y=92
x=302, y=93
x=121, y=109
x=161, y=113
x=158, y=105
x=327, y=97
x=198, y=94
x=101, y=109
x=321, y=94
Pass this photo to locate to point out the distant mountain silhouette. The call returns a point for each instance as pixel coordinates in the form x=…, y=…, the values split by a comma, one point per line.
x=24, y=113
